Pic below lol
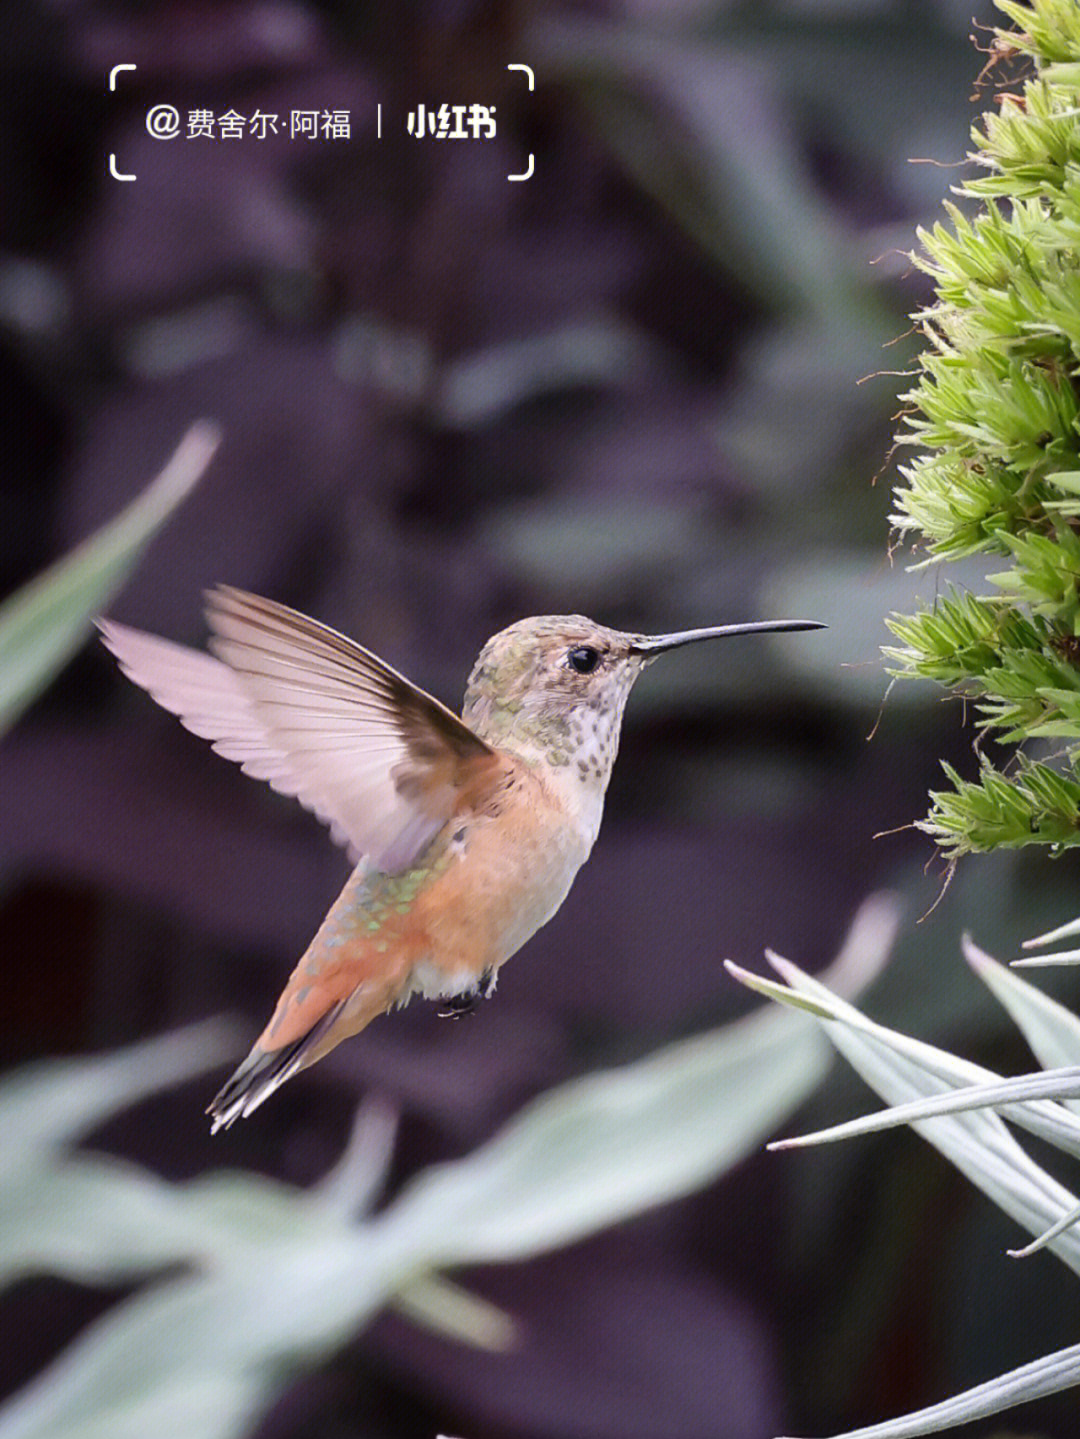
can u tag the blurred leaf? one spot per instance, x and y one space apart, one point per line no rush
458 1313
1061 931
44 623
288 1276
477 389
352 1186
712 120
910 82
602 1148
95 1218
546 539
56 1101
91 1219
853 592
701 129
610 1145
618 1340
787 426
605 1147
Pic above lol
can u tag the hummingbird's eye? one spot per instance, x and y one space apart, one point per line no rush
584 659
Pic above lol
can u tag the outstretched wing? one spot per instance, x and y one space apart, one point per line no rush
317 716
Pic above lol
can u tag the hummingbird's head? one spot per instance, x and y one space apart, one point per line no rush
553 688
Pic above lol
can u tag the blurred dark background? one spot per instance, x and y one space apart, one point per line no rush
628 387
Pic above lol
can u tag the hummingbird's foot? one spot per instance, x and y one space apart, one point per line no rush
457 1006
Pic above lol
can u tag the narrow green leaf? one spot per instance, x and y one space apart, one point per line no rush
1052 1031
1032 1381
1063 931
94 1219
56 1101
1053 1084
902 1069
287 1276
770 989
606 1147
352 1186
457 1313
1048 961
44 623
1066 1221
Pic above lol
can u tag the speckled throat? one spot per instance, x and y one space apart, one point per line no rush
523 696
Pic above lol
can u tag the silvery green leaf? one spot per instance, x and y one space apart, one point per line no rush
457 1313
44 623
1001 1095
235 1331
976 1141
1063 931
93 1218
1049 1120
57 1100
1039 941
1032 1381
597 1150
131 1374
351 1187
1052 1031
605 1147
1046 1084
1044 961
1066 1221
288 1276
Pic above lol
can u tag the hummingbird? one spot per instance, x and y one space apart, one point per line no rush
465 833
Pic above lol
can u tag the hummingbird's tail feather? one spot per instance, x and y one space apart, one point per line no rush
265 1070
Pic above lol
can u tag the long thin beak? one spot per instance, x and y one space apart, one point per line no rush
652 645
